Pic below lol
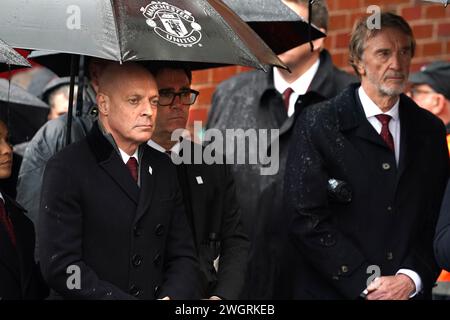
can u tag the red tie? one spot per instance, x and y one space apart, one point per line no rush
385 133
6 222
286 96
133 167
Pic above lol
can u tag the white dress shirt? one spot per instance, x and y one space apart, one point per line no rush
371 110
126 157
175 149
300 86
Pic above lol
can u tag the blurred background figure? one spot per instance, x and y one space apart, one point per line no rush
430 89
56 95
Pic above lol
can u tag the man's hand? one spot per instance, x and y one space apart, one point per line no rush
214 298
398 287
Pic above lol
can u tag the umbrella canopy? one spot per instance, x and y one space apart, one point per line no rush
8 56
279 26
204 31
22 112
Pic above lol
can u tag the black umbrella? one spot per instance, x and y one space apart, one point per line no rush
279 26
10 58
204 31
23 112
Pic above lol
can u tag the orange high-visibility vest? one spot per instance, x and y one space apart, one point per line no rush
445 276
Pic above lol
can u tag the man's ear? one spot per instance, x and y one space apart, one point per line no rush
320 43
103 103
360 67
439 103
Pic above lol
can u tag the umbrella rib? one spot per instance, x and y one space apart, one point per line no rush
243 46
116 29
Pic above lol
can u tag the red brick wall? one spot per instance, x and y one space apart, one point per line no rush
430 23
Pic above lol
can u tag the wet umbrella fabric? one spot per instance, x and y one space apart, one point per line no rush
279 26
205 31
23 112
10 58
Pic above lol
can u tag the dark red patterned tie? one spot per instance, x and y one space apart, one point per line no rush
133 167
286 97
6 222
385 133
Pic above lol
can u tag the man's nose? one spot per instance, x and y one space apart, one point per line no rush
177 102
148 109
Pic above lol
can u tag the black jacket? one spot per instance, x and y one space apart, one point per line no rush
250 101
442 237
50 139
214 214
126 241
20 277
391 218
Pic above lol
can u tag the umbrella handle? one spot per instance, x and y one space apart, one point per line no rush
73 67
81 71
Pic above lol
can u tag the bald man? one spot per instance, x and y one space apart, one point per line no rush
112 223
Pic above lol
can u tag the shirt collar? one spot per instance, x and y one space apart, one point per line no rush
1 197
175 149
126 157
371 109
300 85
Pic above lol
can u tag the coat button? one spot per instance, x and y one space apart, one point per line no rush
344 269
389 256
137 260
159 230
136 231
157 259
135 291
386 166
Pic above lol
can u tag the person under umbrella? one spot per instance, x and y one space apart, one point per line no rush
111 207
257 100
20 277
25 114
56 95
208 190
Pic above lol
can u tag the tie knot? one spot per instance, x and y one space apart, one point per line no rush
286 96
384 118
132 166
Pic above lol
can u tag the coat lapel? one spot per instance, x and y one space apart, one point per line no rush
352 117
198 192
22 239
8 254
411 137
109 160
147 180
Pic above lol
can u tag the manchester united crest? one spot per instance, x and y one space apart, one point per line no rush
172 23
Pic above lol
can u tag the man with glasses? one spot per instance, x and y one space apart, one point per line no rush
208 191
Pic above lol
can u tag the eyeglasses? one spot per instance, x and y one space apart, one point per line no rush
187 97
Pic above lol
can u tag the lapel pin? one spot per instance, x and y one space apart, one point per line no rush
150 170
199 180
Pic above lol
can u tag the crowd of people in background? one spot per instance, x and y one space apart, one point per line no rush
362 187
